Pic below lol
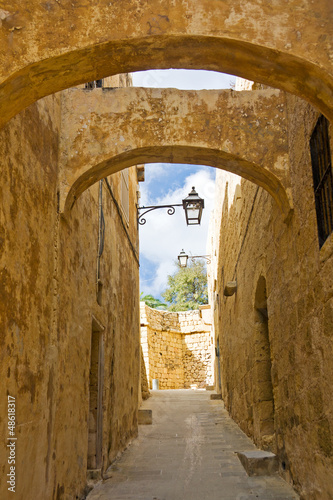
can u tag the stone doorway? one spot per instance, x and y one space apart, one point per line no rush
218 361
95 418
263 390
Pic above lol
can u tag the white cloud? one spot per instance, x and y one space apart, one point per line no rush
164 236
153 172
182 79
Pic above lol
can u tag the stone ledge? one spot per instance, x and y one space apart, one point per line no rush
145 417
258 462
216 396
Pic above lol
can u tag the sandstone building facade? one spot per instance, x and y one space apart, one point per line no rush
70 348
275 332
70 312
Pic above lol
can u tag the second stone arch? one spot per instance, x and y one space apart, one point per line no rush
108 130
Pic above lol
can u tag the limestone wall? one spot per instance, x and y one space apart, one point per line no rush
165 359
197 359
177 347
275 332
50 314
144 386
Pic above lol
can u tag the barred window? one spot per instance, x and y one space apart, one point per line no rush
322 178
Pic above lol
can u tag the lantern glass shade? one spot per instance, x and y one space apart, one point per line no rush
193 206
182 258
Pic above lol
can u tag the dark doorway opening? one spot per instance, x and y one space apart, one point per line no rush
263 389
95 419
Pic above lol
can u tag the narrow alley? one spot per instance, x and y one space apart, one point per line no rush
188 453
166 227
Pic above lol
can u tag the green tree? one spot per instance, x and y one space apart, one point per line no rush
152 302
187 287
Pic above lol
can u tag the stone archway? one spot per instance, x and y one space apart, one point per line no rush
106 131
52 46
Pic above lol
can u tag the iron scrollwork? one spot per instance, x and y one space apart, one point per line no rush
170 211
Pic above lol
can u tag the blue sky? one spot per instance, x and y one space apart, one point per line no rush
164 236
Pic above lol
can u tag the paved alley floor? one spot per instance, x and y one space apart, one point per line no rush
188 453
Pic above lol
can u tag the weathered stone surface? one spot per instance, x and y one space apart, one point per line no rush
230 288
215 396
48 47
177 348
94 475
242 132
145 417
274 334
48 273
258 462
144 379
49 309
185 451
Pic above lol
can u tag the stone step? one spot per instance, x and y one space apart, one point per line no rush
259 462
145 417
216 396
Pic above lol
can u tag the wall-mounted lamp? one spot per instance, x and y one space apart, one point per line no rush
192 205
183 258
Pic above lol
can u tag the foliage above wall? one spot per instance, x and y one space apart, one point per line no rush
152 302
187 287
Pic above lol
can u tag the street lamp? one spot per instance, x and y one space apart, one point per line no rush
183 258
192 205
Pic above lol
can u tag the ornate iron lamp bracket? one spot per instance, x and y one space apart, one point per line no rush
206 257
171 210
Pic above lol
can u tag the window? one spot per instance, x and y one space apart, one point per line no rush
124 194
322 178
94 85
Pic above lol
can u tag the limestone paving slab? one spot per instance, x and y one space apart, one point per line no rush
188 453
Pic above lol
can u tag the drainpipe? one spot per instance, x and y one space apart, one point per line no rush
101 229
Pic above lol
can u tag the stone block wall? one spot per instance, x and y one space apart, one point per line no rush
276 332
177 348
197 359
166 359
49 312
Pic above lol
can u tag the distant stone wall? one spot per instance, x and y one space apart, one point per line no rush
177 347
197 359
165 359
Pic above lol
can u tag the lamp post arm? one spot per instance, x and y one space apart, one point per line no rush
207 257
171 210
